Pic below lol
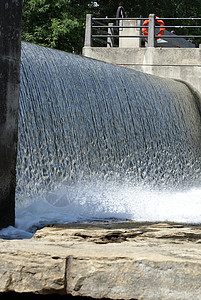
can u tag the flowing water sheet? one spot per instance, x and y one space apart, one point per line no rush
99 141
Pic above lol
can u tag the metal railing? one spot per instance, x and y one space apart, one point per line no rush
110 30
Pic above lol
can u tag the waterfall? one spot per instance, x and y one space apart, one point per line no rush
88 129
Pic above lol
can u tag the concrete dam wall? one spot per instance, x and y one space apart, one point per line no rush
177 63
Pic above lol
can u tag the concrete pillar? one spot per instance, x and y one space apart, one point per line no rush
151 31
87 41
129 42
10 50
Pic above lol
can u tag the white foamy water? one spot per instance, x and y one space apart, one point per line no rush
103 202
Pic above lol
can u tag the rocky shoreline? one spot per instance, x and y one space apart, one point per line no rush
112 260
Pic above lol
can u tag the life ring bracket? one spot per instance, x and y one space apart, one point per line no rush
159 21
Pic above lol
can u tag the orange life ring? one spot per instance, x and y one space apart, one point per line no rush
159 21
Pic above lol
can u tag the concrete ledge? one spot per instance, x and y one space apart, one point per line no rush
150 56
176 63
121 261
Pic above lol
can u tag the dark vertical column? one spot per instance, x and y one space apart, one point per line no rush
10 51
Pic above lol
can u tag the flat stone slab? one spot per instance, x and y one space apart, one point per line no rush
106 260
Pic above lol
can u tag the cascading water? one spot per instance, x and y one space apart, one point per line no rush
99 141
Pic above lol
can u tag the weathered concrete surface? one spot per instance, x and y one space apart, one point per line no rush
176 63
160 261
10 50
129 42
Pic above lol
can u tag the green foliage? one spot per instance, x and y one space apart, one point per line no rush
61 23
56 24
162 8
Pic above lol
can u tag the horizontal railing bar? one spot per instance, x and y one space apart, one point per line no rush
117 19
179 36
97 22
107 19
120 36
181 19
143 36
177 26
122 26
107 26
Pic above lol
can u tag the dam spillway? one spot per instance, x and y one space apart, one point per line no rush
91 129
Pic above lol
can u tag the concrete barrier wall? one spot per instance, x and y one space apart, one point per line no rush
176 63
10 50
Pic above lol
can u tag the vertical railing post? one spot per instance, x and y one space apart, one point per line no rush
151 30
88 31
110 40
139 30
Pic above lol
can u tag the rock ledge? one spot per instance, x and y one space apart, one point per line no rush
106 260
